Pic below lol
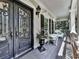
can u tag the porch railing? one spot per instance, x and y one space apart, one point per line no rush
62 51
73 39
74 47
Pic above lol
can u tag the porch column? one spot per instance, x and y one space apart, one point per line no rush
72 22
72 16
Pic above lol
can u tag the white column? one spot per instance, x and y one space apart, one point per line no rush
48 31
72 16
73 22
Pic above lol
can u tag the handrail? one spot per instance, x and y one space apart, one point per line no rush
61 51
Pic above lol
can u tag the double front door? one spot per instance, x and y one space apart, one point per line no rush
15 29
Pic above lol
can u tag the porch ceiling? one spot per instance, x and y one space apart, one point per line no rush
58 7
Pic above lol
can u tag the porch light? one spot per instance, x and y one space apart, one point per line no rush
38 9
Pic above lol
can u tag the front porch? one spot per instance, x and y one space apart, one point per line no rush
21 21
51 52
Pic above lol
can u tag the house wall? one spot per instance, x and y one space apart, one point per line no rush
36 21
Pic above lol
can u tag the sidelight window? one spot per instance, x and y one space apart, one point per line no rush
4 18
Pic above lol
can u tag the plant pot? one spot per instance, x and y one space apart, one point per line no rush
41 42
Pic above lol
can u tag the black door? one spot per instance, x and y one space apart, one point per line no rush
22 28
6 30
16 28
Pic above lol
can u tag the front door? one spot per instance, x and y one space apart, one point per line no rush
6 29
22 28
16 29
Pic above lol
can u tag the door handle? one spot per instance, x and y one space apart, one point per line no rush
16 33
11 34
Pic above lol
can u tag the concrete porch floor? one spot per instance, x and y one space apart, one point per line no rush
51 52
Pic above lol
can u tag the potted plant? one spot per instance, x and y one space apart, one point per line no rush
41 38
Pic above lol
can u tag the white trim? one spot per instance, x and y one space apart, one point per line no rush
2 24
51 25
54 26
48 30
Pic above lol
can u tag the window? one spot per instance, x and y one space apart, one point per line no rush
4 17
50 26
42 24
46 27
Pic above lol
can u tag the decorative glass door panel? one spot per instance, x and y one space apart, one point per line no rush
5 39
24 23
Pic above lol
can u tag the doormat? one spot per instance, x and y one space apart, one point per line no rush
42 49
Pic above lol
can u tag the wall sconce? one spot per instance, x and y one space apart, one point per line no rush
38 9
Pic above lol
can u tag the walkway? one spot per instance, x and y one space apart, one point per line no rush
50 53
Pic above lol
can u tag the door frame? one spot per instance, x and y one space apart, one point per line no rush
32 15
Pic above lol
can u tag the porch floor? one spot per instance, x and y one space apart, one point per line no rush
51 52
